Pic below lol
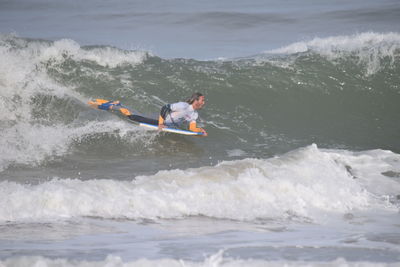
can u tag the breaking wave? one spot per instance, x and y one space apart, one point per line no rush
300 185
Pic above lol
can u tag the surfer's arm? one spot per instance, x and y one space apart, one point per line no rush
160 122
193 127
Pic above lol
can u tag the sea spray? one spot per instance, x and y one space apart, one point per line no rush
307 185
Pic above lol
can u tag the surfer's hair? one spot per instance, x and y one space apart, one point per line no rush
194 97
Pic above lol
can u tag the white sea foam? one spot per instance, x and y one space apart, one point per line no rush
23 71
308 183
67 48
371 48
23 76
335 44
214 260
24 143
104 56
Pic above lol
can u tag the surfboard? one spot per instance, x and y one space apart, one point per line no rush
148 123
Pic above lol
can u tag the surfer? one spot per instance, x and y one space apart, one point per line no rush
178 113
171 115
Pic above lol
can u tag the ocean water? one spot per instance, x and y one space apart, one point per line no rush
301 166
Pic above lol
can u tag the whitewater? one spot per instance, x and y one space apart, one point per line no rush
301 166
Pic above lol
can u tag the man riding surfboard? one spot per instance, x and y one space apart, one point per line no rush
171 115
178 113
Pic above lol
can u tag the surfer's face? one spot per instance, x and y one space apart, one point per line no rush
198 104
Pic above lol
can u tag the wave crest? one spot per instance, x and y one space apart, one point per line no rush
370 48
301 185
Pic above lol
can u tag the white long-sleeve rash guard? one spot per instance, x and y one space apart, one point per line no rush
181 112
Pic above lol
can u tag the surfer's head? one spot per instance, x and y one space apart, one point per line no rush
196 100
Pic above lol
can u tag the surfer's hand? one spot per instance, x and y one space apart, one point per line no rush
161 126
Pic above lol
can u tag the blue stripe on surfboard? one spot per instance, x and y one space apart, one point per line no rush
171 130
